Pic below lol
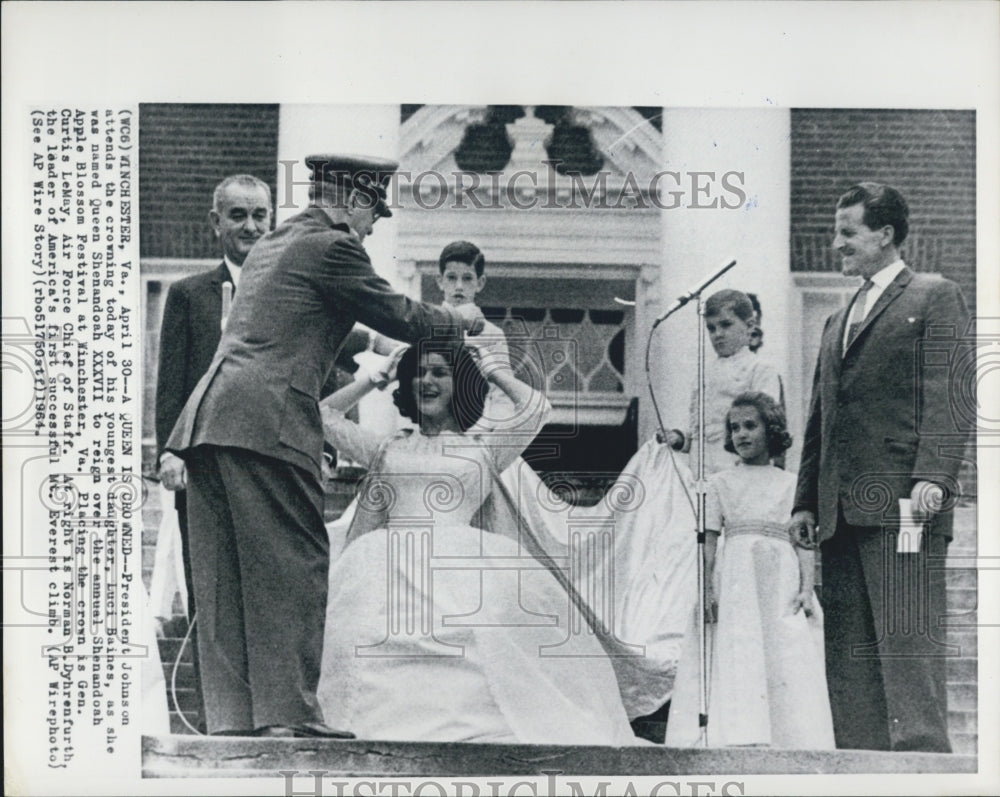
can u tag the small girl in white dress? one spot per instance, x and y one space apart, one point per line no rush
767 683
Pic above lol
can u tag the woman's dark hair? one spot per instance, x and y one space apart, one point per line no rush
470 386
773 417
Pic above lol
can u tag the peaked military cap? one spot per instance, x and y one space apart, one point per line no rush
369 175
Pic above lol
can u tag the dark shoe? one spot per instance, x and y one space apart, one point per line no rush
306 730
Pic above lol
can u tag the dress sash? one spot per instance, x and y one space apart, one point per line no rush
763 528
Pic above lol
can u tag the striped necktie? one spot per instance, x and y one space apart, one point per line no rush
857 313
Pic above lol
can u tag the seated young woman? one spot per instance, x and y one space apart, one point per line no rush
444 621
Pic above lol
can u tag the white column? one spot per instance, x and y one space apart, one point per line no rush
697 238
345 130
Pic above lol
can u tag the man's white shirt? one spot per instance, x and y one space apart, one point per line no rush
880 281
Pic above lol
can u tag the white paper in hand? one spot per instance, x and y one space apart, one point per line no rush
910 529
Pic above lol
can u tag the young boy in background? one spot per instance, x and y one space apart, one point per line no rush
461 277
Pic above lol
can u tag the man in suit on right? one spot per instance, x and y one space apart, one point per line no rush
880 429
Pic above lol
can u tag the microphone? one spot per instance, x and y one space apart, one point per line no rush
227 302
695 291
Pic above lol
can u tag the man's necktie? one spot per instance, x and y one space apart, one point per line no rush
228 289
857 313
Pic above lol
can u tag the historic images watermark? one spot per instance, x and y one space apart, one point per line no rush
524 190
320 782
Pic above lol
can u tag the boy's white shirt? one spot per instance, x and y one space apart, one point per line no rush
725 378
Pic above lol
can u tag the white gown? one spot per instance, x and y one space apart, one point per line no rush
440 631
767 682
632 559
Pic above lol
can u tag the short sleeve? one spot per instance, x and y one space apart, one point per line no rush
360 444
713 505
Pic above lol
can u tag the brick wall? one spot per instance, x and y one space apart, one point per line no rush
184 151
929 156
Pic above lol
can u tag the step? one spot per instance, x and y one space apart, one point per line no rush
966 640
963 670
170 646
185 675
962 722
965 744
186 698
177 726
190 756
963 697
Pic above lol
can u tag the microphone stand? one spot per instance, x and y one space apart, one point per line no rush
701 491
700 483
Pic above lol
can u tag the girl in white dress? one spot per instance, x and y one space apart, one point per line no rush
767 682
436 628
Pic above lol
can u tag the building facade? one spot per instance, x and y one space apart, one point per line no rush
593 221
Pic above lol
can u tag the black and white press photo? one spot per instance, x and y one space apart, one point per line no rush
500 398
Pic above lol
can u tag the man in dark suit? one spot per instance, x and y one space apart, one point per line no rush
189 334
881 429
192 326
252 440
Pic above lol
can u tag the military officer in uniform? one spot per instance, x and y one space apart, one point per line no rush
252 441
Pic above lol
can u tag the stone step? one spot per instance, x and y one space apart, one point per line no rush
190 756
169 648
963 671
966 640
961 722
148 557
964 743
963 697
185 675
182 694
175 627
177 726
961 578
